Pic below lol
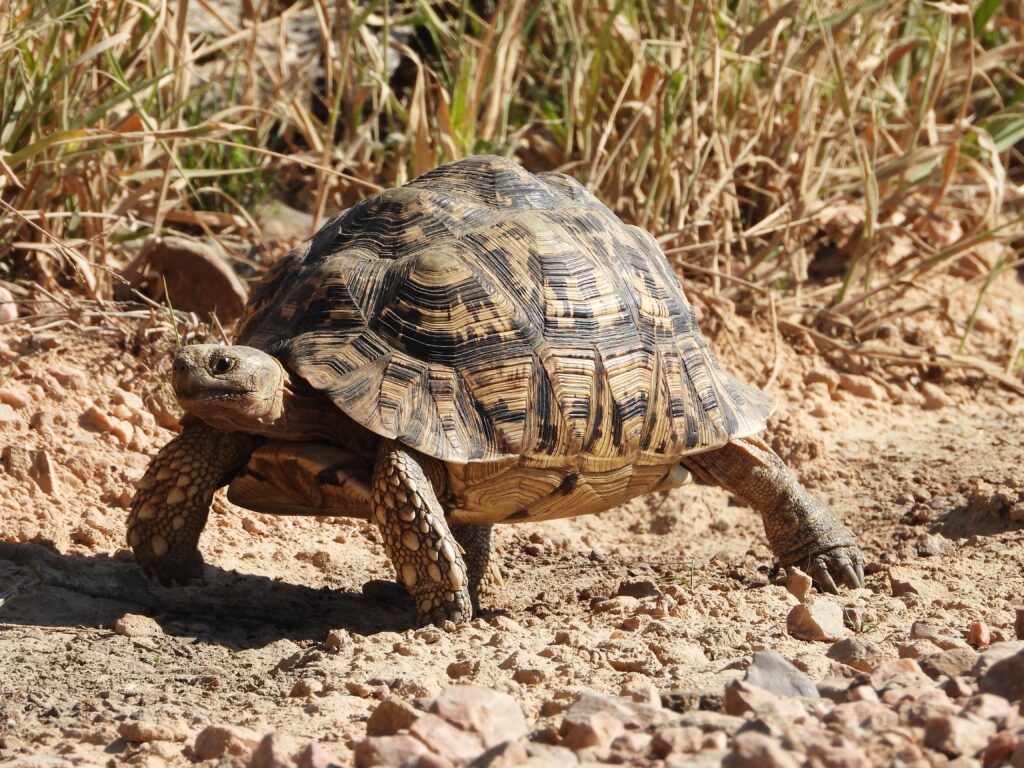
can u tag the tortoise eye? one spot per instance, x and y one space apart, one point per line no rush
222 364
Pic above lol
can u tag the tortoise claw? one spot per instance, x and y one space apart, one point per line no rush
845 564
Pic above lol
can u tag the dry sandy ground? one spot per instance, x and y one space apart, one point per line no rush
938 493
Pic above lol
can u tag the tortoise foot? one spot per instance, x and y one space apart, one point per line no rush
840 565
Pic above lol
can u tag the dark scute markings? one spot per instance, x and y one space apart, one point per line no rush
568 484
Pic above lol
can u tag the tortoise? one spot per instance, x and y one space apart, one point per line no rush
481 345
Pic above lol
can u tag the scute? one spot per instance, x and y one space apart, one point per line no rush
481 312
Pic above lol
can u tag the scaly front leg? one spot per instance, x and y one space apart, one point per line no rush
417 537
801 530
173 499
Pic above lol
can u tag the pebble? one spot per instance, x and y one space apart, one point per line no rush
493 716
667 741
772 672
391 716
1018 624
905 581
306 687
798 583
593 729
818 619
445 739
215 741
143 731
979 635
276 750
16 398
8 309
195 275
1003 677
755 750
856 652
862 386
315 756
957 736
388 751
136 625
7 414
934 397
952 663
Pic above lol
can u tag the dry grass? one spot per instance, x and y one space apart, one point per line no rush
813 160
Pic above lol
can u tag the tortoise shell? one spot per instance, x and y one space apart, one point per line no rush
481 313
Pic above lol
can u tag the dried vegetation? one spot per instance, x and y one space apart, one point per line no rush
820 165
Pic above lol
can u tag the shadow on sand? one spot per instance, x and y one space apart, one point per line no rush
45 588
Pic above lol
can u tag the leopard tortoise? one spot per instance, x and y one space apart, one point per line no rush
482 345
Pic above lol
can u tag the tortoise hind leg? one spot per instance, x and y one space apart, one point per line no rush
484 575
172 502
801 530
417 537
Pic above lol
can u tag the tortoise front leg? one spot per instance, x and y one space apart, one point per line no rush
417 537
173 499
801 530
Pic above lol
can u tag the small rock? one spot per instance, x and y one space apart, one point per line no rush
862 386
741 697
275 750
1004 677
631 714
817 619
906 670
929 545
979 635
904 581
42 420
8 415
306 687
136 625
934 397
8 309
952 663
921 630
755 750
526 754
596 729
445 739
957 736
459 669
667 741
957 687
988 706
215 741
315 756
195 275
639 689
1000 748
391 716
143 731
67 375
16 398
798 583
772 672
493 716
856 652
1018 624
96 418
638 589
388 751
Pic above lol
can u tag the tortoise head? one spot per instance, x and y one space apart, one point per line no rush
229 387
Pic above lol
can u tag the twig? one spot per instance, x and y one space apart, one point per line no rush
918 357
23 583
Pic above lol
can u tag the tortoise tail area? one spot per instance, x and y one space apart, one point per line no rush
750 407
